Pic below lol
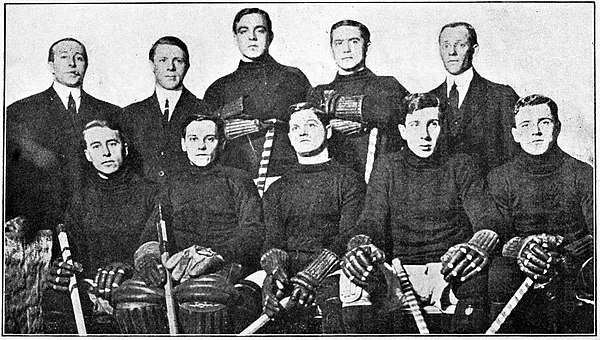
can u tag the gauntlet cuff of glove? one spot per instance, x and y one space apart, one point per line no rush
485 240
318 269
150 249
349 108
359 240
274 259
232 109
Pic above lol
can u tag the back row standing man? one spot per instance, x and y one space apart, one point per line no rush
154 124
480 114
363 104
254 100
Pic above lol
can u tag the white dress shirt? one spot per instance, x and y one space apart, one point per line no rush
173 97
64 91
462 81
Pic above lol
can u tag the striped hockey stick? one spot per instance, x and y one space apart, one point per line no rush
264 159
407 289
512 303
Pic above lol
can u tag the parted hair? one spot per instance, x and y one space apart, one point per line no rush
364 31
418 101
471 31
247 11
537 99
51 50
170 40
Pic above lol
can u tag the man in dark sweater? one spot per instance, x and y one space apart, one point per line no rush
261 89
419 205
208 204
154 123
102 223
480 111
545 198
311 208
362 103
44 165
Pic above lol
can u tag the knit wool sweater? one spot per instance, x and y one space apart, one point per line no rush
215 207
550 193
313 207
383 95
417 208
269 89
105 221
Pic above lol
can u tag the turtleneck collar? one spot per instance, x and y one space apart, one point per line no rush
421 164
193 169
262 61
308 168
116 182
543 164
364 73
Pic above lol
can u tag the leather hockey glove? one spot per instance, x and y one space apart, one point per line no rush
307 281
359 261
463 261
536 255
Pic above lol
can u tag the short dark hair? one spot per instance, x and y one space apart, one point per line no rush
198 117
364 31
51 50
105 124
320 113
247 11
419 101
170 40
537 99
472 35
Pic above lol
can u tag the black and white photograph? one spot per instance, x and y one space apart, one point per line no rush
336 169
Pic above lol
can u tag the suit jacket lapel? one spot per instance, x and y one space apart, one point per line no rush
474 98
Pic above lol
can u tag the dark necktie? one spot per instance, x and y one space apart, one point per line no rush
453 98
71 107
165 118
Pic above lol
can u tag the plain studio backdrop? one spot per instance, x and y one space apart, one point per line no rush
545 48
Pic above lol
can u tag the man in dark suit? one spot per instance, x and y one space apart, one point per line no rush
43 132
480 112
258 93
154 124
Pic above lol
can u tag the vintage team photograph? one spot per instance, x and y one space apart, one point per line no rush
281 169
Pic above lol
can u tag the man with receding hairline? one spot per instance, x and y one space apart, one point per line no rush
480 111
43 160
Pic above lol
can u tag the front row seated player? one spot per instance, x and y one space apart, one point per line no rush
102 222
421 207
311 208
214 223
545 200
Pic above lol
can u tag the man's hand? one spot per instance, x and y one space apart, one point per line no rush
275 287
359 262
59 274
109 278
463 261
193 262
150 270
536 255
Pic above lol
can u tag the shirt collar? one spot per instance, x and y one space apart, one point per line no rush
462 80
172 95
64 91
